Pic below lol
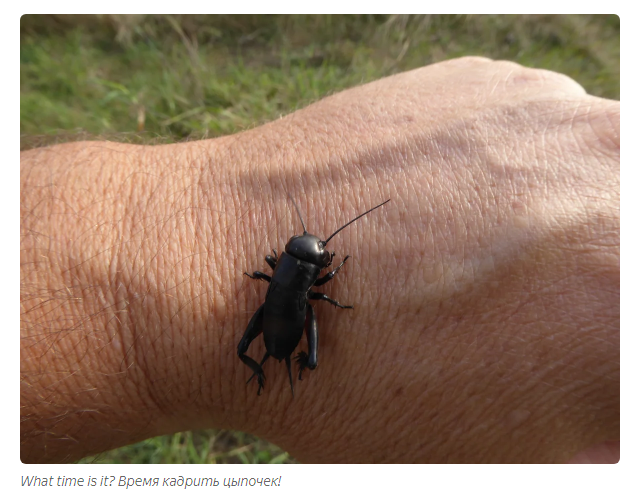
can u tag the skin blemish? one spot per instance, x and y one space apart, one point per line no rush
219 308
117 344
521 219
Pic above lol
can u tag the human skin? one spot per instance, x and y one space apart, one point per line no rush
486 293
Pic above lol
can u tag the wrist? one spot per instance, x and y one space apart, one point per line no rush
116 295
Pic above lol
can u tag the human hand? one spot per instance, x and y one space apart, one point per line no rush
486 293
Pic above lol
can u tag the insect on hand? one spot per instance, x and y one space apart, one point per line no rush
286 312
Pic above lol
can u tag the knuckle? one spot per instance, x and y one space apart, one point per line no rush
518 78
603 116
469 60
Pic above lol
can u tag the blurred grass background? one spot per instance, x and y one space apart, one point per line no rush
160 79
167 78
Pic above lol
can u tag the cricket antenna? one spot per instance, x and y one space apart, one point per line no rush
298 213
356 218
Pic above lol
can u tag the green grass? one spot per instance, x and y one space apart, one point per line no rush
151 79
166 78
208 446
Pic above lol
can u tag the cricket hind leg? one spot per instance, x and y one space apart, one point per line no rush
259 372
253 330
309 360
290 375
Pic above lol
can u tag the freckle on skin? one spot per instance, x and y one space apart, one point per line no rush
518 207
220 307
520 214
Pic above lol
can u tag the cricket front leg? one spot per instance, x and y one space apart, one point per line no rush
258 275
272 261
323 280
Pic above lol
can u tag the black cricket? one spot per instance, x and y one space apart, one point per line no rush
286 312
